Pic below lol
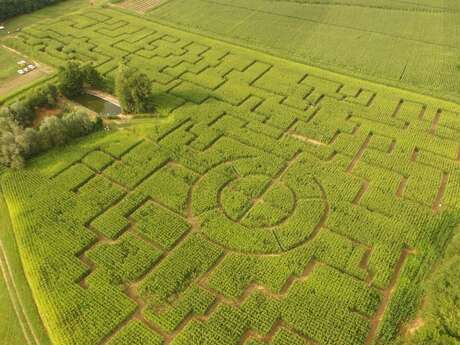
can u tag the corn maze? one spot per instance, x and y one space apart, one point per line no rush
275 204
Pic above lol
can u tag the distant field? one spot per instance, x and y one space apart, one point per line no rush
414 44
272 203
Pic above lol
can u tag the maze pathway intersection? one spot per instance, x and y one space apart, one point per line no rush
274 203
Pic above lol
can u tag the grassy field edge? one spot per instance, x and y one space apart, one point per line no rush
19 280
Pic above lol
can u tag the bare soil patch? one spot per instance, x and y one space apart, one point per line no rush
415 325
43 113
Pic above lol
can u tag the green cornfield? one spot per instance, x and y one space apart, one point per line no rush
270 201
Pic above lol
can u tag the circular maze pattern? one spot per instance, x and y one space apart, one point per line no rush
255 201
259 213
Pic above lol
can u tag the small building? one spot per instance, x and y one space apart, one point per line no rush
22 62
25 69
20 71
2 28
31 67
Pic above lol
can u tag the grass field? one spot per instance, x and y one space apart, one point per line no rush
273 203
412 44
13 83
8 64
10 330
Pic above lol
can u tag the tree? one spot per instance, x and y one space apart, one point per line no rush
11 150
92 77
121 89
77 124
30 142
17 144
133 90
22 113
45 96
142 93
71 79
53 132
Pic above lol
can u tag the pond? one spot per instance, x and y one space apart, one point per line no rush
98 105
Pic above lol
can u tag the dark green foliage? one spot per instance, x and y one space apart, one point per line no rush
45 96
10 8
11 144
92 77
71 79
133 90
53 132
74 77
77 124
23 111
18 144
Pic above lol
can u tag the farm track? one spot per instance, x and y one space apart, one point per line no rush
387 293
402 187
359 154
437 203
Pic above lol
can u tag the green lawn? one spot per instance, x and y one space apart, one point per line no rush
412 44
8 64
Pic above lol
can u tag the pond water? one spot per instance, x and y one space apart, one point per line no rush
98 105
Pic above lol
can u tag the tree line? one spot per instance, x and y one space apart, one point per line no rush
18 143
11 8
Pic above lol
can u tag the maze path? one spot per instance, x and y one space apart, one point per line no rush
190 223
